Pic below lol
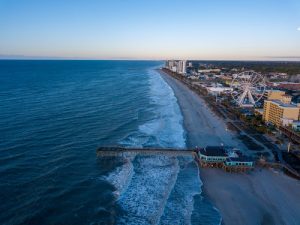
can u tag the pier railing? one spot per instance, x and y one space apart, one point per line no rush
119 151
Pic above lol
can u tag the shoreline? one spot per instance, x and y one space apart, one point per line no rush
263 196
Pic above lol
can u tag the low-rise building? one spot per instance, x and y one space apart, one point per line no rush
209 70
193 77
237 164
213 155
286 122
284 85
218 90
259 111
224 157
239 161
296 125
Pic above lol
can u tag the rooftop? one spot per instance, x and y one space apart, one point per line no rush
280 103
214 151
274 90
241 158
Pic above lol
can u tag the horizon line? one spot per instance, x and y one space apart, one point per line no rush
263 58
275 59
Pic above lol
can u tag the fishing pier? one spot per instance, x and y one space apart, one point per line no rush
119 151
210 157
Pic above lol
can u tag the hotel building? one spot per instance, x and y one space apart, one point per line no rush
176 66
278 108
274 95
181 67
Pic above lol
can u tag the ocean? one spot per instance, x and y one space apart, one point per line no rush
53 117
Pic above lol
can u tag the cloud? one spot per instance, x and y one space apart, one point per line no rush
298 28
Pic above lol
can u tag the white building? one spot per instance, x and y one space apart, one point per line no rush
286 122
170 64
209 71
244 76
218 90
181 67
176 66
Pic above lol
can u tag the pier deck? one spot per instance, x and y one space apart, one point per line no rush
119 151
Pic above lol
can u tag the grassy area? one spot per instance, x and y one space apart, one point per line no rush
292 160
252 145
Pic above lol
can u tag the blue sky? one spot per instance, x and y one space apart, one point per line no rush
156 29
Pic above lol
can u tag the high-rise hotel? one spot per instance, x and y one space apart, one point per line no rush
278 109
176 66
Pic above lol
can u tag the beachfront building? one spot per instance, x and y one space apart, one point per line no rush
181 67
170 64
224 157
277 111
212 156
176 66
238 164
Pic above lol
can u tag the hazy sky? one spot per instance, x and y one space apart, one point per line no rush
150 29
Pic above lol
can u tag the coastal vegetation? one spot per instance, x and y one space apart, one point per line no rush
291 68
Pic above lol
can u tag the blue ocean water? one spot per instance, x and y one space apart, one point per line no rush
54 115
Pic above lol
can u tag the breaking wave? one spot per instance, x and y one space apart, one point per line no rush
157 189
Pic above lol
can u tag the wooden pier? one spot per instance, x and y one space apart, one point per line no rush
119 151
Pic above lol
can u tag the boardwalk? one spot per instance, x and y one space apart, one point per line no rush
118 151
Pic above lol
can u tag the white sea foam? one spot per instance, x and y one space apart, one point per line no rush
180 204
121 176
165 129
167 125
149 190
146 183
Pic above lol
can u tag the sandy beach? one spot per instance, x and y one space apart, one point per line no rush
259 197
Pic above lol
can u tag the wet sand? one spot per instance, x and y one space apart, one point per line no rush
260 197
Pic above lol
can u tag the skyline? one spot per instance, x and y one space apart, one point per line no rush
218 30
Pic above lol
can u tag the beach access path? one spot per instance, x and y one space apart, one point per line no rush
264 196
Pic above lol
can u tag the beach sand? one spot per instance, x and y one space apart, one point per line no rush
258 197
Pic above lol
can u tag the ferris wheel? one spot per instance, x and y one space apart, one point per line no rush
248 88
